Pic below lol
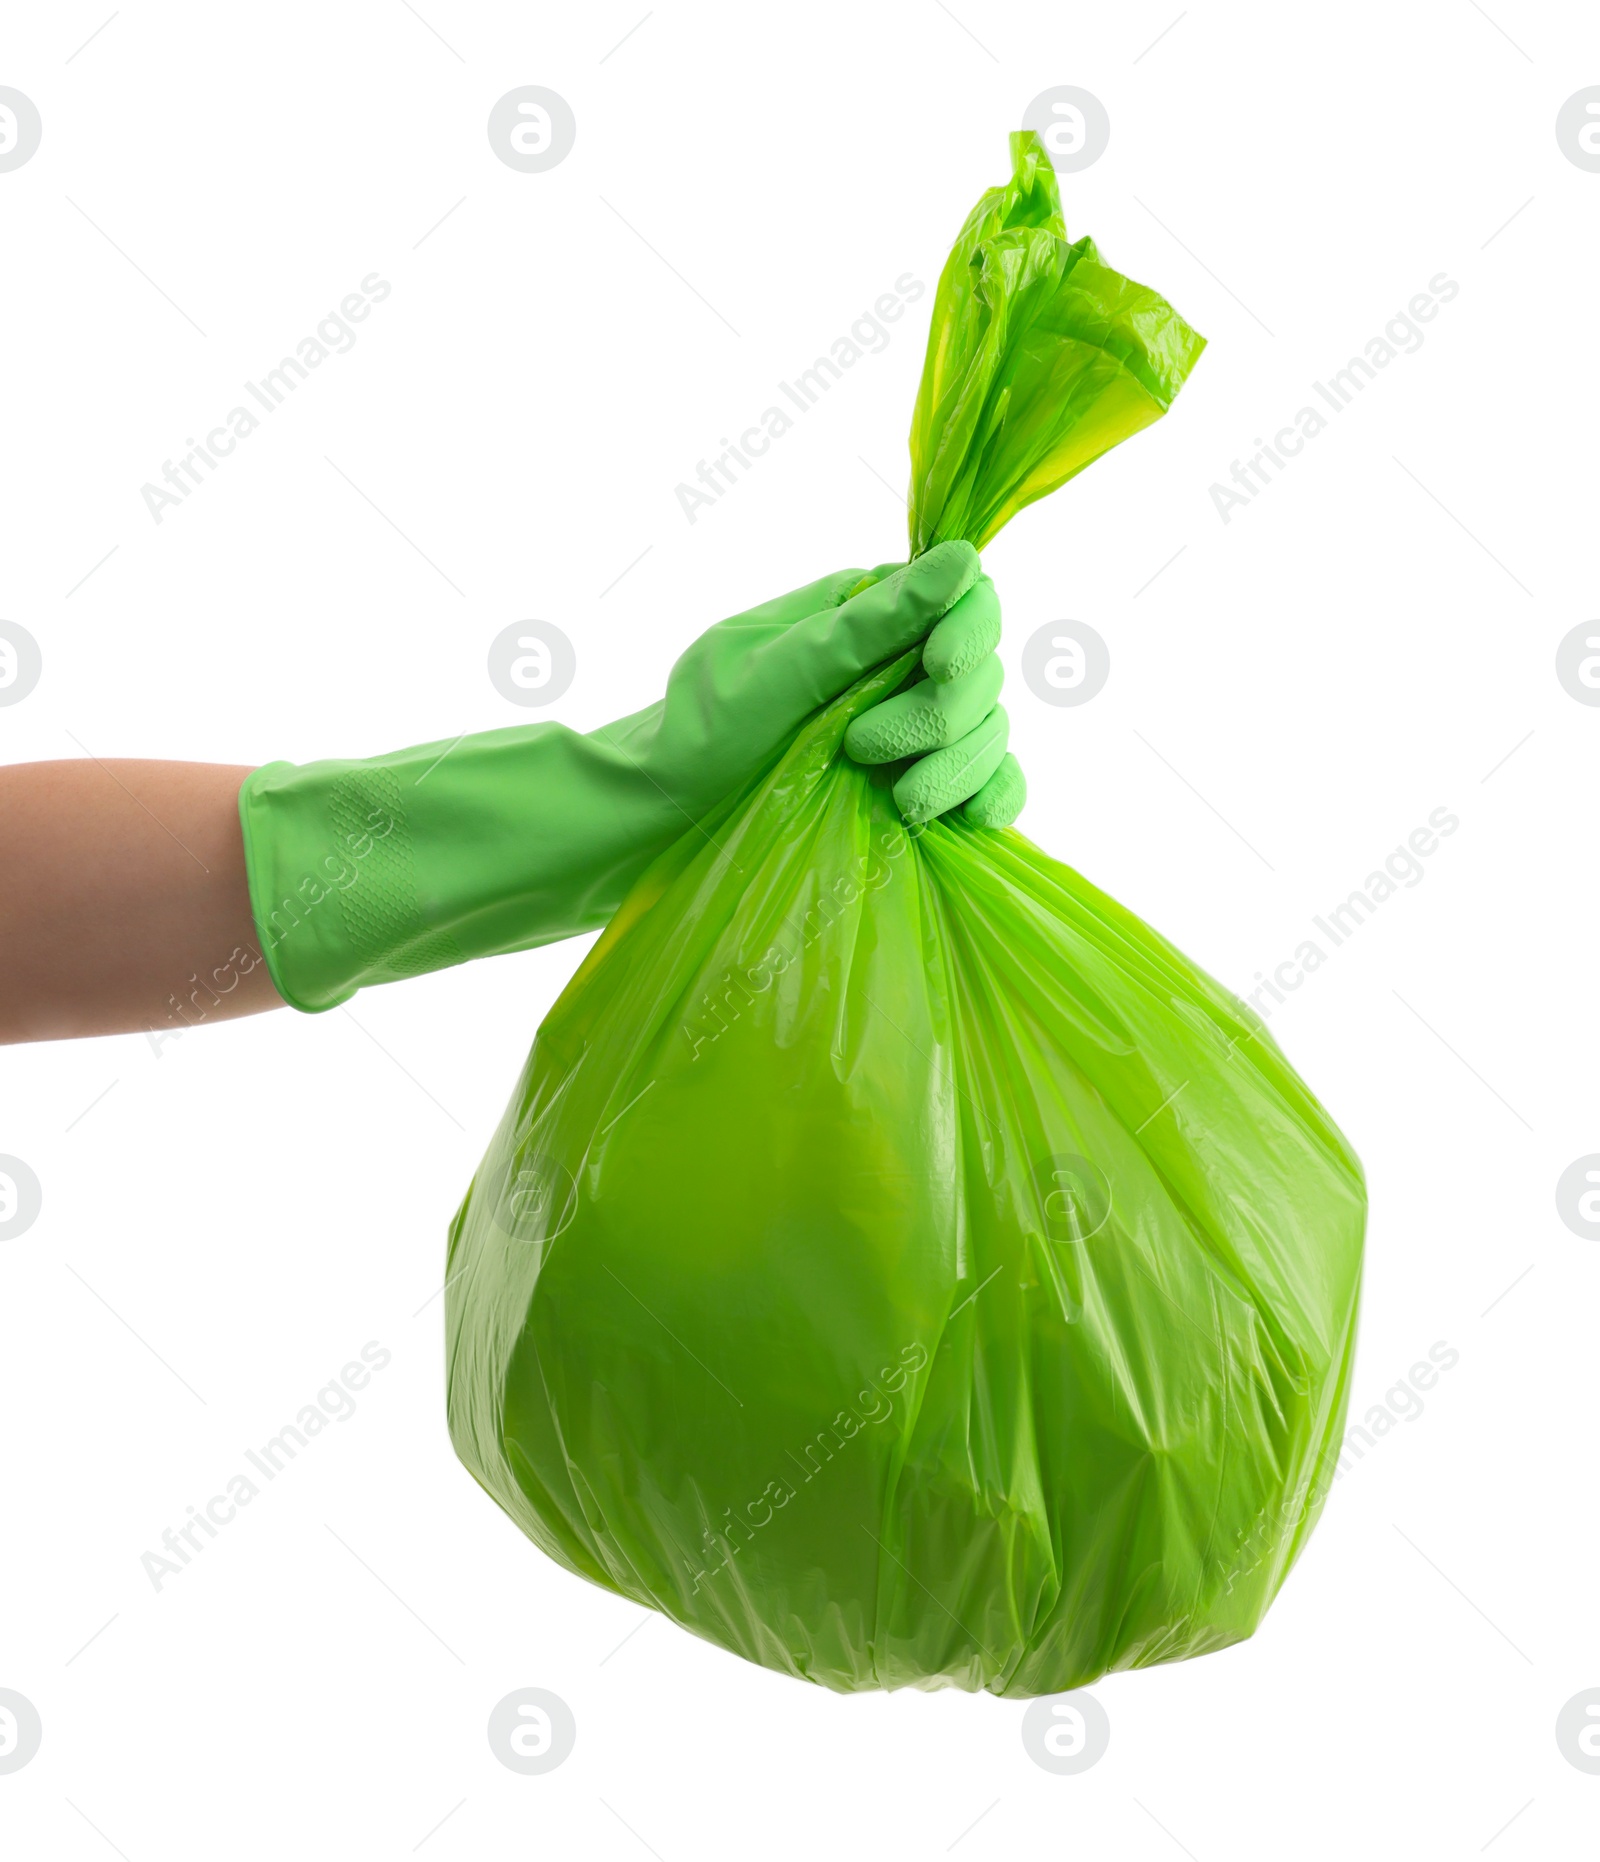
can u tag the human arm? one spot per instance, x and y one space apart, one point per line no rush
123 902
130 899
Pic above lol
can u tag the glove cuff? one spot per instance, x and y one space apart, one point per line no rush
334 882
369 872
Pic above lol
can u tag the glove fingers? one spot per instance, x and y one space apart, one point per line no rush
949 776
968 634
820 656
783 611
1001 799
928 717
880 572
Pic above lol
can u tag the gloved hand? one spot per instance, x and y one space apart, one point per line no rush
951 722
366 872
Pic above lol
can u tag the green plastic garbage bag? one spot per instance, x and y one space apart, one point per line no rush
897 1263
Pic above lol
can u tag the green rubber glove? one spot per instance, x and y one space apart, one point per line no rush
952 722
367 872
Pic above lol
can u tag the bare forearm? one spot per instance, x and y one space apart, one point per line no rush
123 902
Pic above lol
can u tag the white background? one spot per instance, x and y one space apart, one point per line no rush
1368 641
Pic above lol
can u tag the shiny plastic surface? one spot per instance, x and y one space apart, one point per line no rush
1040 359
897 1263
